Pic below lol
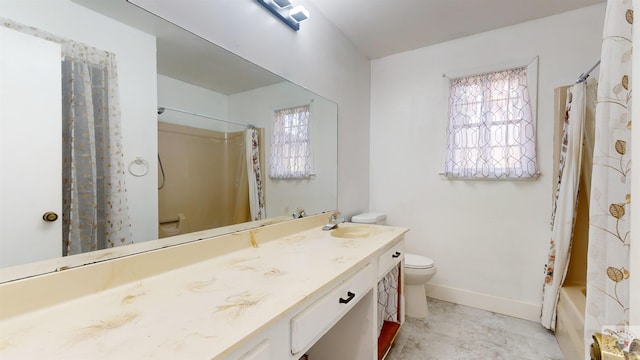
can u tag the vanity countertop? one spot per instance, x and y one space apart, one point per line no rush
203 310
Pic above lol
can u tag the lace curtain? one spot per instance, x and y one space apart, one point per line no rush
491 133
290 147
95 211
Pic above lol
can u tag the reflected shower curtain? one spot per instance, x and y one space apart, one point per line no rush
254 172
95 211
609 235
563 212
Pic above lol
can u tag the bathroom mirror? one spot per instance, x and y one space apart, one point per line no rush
194 76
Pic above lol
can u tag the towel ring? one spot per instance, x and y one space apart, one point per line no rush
142 167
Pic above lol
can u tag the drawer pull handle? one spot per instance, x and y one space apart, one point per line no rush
350 297
396 254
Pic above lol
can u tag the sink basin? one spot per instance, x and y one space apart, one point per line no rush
354 232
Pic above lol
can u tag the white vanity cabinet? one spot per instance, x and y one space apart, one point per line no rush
311 323
291 292
339 323
336 324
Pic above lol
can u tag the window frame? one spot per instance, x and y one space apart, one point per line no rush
531 65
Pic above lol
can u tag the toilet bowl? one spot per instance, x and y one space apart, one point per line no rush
417 271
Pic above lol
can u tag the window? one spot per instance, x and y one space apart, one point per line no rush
491 133
290 148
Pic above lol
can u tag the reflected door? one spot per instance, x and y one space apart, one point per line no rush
30 149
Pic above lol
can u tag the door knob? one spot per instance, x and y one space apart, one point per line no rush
50 216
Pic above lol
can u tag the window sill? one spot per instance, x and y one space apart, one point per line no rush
444 176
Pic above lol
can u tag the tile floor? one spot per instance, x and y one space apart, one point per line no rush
457 332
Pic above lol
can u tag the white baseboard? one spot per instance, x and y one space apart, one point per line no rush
487 302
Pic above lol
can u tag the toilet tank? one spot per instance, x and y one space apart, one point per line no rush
370 218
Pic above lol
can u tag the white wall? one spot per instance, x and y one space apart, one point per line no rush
183 96
318 57
136 56
284 197
489 239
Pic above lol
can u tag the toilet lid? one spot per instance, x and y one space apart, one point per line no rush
417 261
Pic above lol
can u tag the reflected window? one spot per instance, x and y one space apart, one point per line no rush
290 146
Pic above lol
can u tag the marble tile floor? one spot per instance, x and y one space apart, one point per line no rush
457 332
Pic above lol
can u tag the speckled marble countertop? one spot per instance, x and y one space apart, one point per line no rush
200 311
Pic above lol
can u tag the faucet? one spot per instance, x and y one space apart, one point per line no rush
299 214
334 220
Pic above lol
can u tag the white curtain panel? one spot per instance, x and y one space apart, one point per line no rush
254 173
609 236
563 213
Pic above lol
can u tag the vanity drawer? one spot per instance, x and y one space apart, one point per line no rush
311 323
390 258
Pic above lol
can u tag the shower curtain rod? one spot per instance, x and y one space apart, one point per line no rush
583 77
161 109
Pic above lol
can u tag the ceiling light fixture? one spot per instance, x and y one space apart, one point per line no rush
299 13
282 4
292 17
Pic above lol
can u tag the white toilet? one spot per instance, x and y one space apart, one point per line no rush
418 270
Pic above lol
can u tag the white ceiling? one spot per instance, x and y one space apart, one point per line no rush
384 27
377 27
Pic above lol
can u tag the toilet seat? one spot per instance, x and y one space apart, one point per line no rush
413 261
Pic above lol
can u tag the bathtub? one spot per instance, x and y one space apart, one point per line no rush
570 321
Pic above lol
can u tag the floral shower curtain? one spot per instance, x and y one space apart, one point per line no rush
95 211
609 234
256 189
563 213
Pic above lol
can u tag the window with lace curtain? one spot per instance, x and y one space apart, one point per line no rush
290 147
491 133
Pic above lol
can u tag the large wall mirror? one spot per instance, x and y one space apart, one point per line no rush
186 105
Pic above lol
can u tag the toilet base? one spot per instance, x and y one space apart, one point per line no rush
416 301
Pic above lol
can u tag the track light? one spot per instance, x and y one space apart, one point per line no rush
299 13
282 4
292 17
